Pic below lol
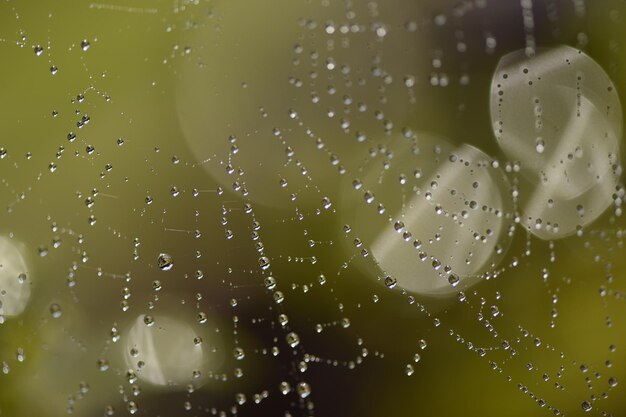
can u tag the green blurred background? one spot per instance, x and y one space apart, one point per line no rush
157 94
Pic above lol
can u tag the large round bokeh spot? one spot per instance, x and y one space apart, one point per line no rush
558 118
435 217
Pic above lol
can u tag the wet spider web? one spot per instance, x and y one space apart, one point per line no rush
226 208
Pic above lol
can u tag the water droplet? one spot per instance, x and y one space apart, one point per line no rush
103 364
540 146
202 318
390 281
270 283
239 353
132 407
293 339
165 262
264 262
55 310
303 389
284 388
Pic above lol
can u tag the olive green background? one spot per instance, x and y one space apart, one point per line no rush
174 80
